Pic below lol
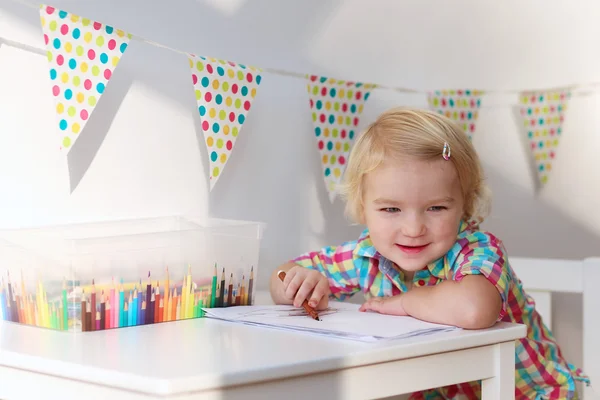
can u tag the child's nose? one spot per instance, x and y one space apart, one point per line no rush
413 227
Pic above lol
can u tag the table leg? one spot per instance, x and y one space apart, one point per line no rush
502 385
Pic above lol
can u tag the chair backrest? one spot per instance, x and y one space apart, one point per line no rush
549 274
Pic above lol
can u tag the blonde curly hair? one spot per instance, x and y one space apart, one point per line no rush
420 134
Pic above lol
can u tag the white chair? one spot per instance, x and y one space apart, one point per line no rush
541 277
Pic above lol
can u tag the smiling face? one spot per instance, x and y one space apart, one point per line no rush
413 209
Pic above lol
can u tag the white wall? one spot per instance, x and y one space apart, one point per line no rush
151 163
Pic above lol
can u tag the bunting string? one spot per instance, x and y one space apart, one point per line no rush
575 89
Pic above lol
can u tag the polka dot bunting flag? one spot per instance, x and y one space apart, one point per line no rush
543 117
224 92
83 55
336 106
459 105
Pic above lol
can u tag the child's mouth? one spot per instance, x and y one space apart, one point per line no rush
412 249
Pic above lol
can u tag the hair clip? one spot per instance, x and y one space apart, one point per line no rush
446 152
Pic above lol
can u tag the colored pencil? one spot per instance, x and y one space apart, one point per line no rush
230 291
125 315
222 292
150 309
135 309
113 303
178 309
167 290
143 313
250 286
237 295
147 313
157 302
122 314
93 303
140 317
97 321
65 307
83 311
102 311
161 310
243 292
213 288
174 302
132 307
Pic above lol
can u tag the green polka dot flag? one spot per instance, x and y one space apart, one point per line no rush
83 55
224 92
543 117
461 106
336 107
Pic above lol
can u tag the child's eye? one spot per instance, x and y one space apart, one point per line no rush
437 208
390 209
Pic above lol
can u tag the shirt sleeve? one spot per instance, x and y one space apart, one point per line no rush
337 264
485 255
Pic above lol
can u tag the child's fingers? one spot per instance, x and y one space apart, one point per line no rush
304 291
289 276
374 304
293 286
319 291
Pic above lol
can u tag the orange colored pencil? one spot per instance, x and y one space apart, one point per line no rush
174 299
161 310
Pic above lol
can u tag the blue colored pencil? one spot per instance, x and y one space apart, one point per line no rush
122 315
134 311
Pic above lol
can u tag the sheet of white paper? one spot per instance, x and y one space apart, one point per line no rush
341 320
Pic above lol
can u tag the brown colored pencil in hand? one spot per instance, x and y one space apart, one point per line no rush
311 311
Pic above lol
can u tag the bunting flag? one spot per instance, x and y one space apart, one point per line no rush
336 107
83 55
461 106
543 117
224 92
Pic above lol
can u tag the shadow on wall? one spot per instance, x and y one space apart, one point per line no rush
524 215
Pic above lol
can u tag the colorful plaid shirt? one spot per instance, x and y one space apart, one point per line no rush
541 370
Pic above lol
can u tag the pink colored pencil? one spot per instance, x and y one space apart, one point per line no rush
113 305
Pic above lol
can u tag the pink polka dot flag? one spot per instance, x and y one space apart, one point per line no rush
224 92
83 55
461 106
543 117
336 107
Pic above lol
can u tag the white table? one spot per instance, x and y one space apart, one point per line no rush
210 359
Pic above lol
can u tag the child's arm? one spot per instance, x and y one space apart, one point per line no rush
334 267
472 303
474 297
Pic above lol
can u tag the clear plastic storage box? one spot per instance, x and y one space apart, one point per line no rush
102 275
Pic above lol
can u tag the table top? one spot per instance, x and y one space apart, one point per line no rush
202 354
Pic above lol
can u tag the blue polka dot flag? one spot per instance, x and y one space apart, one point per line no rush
83 55
336 107
224 93
461 106
543 117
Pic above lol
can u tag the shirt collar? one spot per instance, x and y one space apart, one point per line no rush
365 248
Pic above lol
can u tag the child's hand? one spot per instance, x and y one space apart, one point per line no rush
385 305
302 283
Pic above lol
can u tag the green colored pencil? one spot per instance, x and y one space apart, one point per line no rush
65 312
213 288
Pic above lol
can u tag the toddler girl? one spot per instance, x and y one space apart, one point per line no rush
415 180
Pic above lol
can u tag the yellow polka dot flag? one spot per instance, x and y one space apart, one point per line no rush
83 55
543 117
336 106
224 92
461 106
